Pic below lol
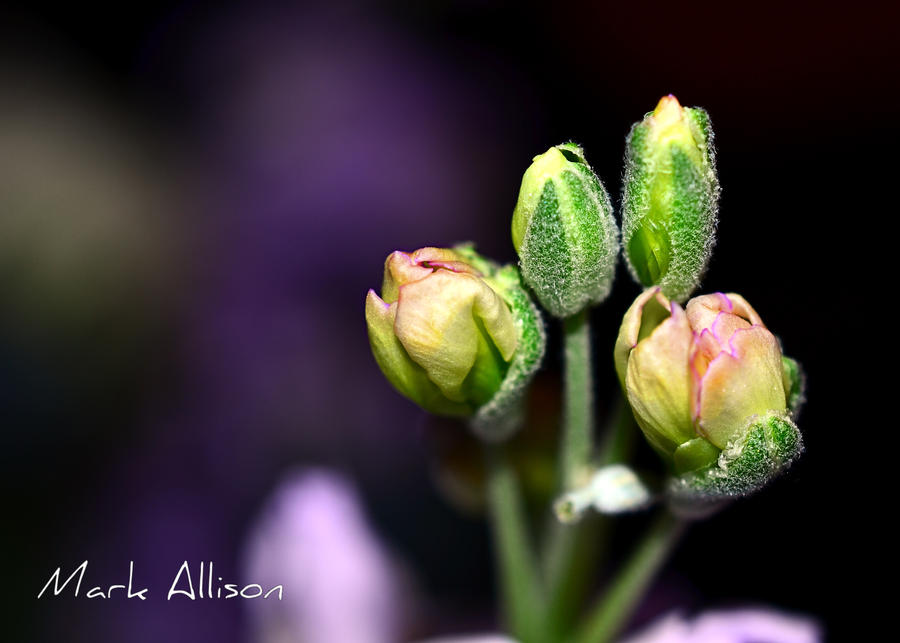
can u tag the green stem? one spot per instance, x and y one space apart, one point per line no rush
519 582
579 398
573 557
615 607
575 552
618 442
568 548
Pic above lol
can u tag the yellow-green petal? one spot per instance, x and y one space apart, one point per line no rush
400 268
405 375
657 382
436 323
632 323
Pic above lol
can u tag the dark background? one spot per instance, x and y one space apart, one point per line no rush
195 202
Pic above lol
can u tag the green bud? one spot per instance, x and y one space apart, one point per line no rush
564 231
457 334
670 198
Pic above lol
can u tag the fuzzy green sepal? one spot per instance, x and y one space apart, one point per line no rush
564 232
770 445
670 198
502 415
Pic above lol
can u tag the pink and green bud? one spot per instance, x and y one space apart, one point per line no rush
564 232
704 382
670 198
455 333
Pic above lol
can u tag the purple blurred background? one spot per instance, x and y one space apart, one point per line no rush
193 203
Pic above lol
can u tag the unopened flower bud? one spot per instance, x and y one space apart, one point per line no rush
564 231
455 333
707 387
670 198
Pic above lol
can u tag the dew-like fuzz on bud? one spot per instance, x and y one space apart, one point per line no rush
564 231
670 198
766 449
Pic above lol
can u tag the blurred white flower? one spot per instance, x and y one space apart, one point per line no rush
758 625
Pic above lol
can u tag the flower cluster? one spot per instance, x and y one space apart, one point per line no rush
708 384
704 379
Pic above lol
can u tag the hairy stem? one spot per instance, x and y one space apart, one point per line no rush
574 553
579 398
517 567
569 548
615 607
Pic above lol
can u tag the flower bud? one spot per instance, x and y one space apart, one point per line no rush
564 231
707 387
670 198
456 334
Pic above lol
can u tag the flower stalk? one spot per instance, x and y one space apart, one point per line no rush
517 567
569 548
616 606
579 399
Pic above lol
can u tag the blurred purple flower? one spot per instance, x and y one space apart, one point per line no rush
759 625
475 638
340 584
